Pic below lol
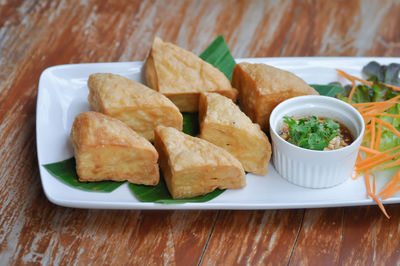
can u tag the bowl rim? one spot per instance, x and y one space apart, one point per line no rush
333 101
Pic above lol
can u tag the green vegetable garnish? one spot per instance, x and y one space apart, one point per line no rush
383 73
378 74
311 133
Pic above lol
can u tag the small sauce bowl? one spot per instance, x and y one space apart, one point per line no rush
311 168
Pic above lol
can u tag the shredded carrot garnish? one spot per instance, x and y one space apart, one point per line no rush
362 148
393 87
379 155
350 77
367 184
388 165
390 127
375 159
391 187
367 131
362 166
353 89
381 114
373 183
372 195
379 202
382 106
363 105
356 174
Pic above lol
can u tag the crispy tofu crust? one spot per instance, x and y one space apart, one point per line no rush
262 87
182 75
193 166
225 125
140 107
107 149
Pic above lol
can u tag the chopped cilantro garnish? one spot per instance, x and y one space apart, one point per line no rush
311 133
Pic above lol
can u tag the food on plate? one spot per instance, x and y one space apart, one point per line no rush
107 149
192 166
140 107
225 125
379 104
182 75
262 87
315 133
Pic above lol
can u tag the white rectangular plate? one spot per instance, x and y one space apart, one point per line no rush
63 94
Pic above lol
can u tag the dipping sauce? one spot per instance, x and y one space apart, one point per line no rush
315 133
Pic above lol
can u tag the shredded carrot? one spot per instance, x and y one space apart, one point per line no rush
361 105
379 202
393 87
380 114
374 159
390 188
353 89
372 105
373 183
388 165
367 184
356 174
362 148
350 77
383 159
378 107
372 195
390 127
378 155
367 131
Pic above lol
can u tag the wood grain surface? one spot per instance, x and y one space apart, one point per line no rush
37 34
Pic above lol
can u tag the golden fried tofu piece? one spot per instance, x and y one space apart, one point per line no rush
107 149
182 75
225 125
193 166
140 107
262 87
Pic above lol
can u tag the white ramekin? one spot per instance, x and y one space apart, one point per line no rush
310 168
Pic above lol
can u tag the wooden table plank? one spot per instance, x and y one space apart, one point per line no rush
253 237
312 246
369 238
38 34
344 28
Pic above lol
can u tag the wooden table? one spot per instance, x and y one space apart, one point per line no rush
37 34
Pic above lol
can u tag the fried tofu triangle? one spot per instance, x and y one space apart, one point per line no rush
182 75
222 123
107 149
193 166
140 107
262 87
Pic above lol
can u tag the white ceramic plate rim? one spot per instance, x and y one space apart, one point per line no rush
61 95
